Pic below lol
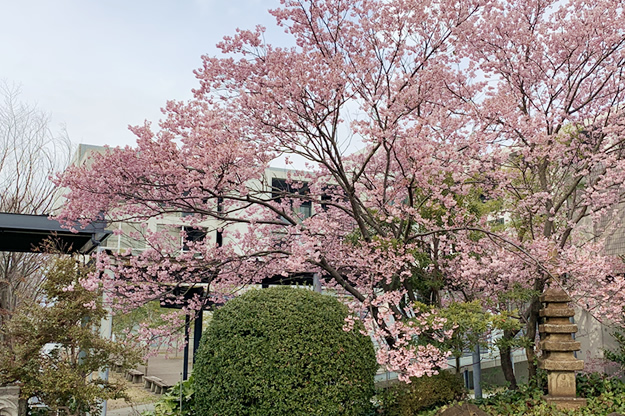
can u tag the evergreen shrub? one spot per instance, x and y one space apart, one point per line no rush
423 393
595 384
283 351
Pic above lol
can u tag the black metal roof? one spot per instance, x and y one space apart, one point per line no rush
27 233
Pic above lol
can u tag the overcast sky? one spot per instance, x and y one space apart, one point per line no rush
97 66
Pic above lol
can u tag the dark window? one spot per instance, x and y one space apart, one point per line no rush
281 188
193 234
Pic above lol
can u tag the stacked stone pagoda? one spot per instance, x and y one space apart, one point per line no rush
558 348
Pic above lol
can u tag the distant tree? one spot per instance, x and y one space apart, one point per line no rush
29 153
466 324
130 326
52 349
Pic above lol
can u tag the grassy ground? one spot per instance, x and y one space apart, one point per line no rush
136 392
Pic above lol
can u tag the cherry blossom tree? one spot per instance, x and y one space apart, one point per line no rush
555 120
455 105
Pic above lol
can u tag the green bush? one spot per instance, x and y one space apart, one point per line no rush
604 396
283 351
423 393
169 403
525 400
596 384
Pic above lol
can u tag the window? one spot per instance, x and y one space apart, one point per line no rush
193 234
280 187
130 237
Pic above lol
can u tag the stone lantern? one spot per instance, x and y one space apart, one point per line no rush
9 400
558 348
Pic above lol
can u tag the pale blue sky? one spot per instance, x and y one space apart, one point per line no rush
97 66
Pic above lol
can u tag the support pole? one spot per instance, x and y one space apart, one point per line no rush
185 358
197 333
106 332
317 283
477 372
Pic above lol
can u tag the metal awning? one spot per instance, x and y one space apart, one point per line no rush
27 233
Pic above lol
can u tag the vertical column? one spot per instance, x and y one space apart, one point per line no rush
106 332
185 357
558 347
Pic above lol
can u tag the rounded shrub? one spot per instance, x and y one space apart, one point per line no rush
283 351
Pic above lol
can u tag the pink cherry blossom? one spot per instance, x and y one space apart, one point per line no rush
466 112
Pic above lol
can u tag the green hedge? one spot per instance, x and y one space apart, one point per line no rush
283 351
423 393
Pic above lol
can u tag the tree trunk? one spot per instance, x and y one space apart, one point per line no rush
531 330
507 367
532 323
22 407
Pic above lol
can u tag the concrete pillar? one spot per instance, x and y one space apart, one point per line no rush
477 372
317 283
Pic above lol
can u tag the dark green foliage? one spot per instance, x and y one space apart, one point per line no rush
283 351
605 395
595 384
422 394
510 402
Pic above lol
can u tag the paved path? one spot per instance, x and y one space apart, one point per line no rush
167 369
131 411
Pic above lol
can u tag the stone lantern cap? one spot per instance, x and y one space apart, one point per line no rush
560 346
557 301
557 328
572 364
552 311
553 295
